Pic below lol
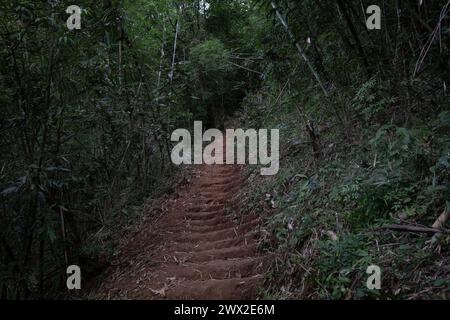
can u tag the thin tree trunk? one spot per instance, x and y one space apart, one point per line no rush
64 237
354 33
177 30
120 52
161 60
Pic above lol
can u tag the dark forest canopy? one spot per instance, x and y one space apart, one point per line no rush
87 116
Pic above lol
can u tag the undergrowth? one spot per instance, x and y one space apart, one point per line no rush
325 215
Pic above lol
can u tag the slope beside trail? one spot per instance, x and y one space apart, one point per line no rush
201 247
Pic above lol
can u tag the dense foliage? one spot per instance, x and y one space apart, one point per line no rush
364 118
374 152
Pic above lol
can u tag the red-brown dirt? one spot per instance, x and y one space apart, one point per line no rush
200 248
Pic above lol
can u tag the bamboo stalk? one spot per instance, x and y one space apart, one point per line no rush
299 48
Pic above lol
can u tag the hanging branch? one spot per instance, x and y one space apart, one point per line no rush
299 48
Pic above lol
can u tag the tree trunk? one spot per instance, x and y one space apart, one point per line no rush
354 33
300 49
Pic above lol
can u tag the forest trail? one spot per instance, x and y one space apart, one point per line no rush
201 247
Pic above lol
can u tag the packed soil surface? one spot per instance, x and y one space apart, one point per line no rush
200 246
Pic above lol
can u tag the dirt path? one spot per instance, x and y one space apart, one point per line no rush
200 248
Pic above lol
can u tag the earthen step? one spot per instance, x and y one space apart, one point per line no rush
230 233
223 243
221 219
227 289
221 253
204 208
215 269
